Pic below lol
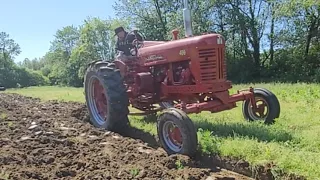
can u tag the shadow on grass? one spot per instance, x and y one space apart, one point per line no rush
146 137
251 130
152 118
254 130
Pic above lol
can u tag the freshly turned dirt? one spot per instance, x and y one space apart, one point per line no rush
51 140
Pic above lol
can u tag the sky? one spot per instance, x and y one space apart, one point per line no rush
33 23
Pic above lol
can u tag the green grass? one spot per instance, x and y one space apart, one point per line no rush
52 93
293 143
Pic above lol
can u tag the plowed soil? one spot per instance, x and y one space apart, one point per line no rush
53 140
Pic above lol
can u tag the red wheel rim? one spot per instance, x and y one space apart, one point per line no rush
100 98
175 135
261 111
172 136
97 100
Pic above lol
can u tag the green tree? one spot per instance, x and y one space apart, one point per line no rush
8 50
156 19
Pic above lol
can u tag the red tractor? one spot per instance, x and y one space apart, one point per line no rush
176 77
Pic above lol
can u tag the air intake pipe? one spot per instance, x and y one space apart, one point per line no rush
187 19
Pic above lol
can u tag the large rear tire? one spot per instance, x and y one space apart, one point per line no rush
106 97
268 107
177 133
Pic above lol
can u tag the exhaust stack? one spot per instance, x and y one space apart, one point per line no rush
187 19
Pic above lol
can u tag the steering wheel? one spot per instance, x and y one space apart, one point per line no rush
135 43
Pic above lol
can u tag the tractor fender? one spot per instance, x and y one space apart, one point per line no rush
121 66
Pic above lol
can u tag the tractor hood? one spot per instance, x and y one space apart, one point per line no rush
152 43
178 49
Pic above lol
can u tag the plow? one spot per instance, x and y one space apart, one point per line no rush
176 78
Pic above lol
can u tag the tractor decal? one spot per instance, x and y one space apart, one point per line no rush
154 58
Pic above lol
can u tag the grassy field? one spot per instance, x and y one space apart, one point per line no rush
293 143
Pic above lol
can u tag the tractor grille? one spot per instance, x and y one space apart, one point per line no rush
222 64
211 66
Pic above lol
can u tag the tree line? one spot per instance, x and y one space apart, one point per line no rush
267 40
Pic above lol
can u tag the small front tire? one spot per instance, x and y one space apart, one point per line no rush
268 110
166 104
177 133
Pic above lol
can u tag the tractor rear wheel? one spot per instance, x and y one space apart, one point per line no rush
106 97
268 107
177 133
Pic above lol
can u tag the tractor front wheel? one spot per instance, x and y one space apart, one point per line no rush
106 97
268 107
177 133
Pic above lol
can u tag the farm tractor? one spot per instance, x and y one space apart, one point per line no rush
175 78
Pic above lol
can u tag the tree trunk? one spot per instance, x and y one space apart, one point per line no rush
256 53
272 35
163 23
309 36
